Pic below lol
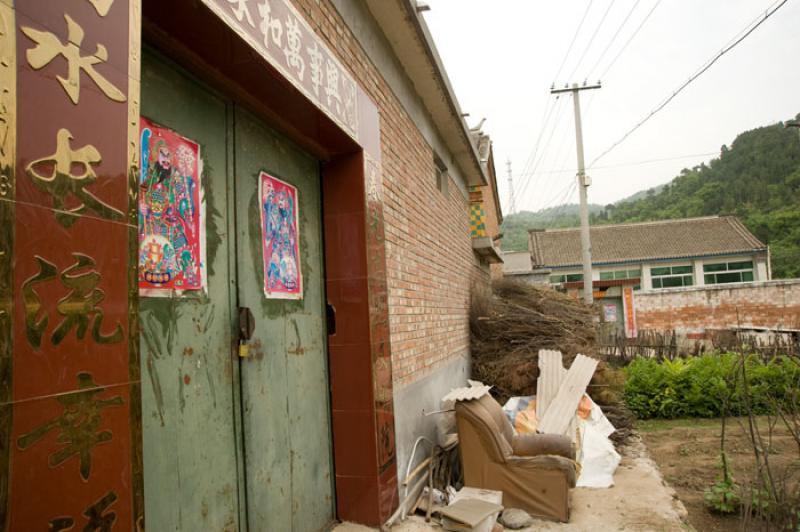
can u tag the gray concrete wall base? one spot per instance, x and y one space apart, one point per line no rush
412 402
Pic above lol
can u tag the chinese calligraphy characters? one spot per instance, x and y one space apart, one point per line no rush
80 304
62 181
48 47
77 425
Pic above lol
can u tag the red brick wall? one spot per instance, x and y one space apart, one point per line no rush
430 263
771 304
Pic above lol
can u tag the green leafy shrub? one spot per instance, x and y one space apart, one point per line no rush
699 386
723 496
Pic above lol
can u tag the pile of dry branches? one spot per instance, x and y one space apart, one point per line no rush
509 329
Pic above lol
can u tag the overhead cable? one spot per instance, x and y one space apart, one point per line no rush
747 31
624 46
613 39
577 31
591 39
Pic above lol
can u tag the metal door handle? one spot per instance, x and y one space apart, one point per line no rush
247 324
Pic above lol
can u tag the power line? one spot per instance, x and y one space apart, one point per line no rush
591 40
613 39
685 84
545 119
577 31
634 163
624 46
547 143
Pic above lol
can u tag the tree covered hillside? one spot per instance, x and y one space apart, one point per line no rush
516 226
757 179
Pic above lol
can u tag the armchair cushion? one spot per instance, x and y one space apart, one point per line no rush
538 444
534 472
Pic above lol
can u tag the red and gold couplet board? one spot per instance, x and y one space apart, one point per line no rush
69 433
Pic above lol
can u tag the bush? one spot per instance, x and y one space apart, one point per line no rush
699 386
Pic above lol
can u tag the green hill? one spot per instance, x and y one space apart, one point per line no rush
516 226
757 179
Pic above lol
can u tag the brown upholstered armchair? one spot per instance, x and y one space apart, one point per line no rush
533 471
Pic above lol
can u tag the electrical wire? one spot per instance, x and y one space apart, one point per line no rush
613 39
532 157
686 83
544 149
591 40
545 119
572 42
624 46
634 163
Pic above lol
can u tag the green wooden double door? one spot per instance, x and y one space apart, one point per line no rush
235 443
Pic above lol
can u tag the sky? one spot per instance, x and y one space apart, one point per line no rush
502 56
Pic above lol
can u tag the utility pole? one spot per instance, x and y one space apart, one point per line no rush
512 208
583 184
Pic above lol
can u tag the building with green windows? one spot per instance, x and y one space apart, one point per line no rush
654 255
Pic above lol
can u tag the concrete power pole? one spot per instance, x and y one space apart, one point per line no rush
512 207
583 184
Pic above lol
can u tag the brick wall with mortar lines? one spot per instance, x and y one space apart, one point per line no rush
429 259
772 304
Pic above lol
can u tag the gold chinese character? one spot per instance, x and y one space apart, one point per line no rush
97 521
48 47
77 425
54 174
80 304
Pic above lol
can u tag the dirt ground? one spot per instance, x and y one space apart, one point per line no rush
639 501
687 453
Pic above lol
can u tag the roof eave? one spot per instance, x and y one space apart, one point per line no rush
411 41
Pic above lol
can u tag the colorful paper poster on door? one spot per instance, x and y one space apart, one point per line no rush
279 231
171 215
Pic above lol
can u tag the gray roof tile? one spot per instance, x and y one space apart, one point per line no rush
689 237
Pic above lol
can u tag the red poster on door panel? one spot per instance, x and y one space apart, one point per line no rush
279 231
171 217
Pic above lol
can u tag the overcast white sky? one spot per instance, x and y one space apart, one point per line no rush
502 56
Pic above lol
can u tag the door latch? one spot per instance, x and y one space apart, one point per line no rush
247 325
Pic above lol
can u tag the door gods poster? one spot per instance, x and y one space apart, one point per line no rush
281 249
171 215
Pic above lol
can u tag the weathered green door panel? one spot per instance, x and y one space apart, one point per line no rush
190 468
286 412
309 416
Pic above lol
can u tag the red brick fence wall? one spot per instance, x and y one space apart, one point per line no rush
693 311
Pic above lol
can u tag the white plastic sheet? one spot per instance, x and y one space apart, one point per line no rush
597 456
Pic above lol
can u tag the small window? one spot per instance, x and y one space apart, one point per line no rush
621 274
442 177
672 276
566 278
728 272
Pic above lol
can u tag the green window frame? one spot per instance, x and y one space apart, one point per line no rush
622 274
672 276
741 271
566 278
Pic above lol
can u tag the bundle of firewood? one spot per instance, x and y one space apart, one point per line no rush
508 329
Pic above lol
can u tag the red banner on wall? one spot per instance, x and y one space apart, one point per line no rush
629 312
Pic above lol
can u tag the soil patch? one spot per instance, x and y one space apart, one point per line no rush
687 453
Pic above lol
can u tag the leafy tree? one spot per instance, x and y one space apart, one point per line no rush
756 178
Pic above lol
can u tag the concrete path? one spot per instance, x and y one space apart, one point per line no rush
639 501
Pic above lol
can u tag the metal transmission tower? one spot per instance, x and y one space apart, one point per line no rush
512 204
583 182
